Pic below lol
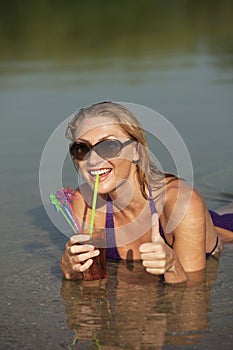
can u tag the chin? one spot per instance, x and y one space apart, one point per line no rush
105 188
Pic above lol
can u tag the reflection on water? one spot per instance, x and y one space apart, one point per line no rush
133 310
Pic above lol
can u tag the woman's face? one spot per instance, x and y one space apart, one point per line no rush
112 172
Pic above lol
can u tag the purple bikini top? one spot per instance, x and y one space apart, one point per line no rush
111 251
224 221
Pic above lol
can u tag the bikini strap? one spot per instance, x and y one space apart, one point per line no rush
153 210
152 203
109 214
111 251
210 253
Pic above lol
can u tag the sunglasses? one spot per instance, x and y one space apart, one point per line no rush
105 149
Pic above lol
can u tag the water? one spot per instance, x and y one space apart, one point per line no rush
180 64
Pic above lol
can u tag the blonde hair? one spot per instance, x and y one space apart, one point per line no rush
148 174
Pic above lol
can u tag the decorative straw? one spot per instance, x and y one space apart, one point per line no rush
94 204
58 207
77 224
65 195
71 219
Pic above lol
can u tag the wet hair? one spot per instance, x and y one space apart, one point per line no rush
148 174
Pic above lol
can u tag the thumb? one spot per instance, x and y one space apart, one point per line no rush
155 235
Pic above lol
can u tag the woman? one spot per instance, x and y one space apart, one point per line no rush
149 215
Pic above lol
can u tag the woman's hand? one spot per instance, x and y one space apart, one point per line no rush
77 257
159 259
156 257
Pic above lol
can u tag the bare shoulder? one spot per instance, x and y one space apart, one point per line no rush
182 205
184 218
180 193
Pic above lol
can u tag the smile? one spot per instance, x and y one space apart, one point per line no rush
100 172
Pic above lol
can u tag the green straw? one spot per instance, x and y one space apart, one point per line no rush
94 204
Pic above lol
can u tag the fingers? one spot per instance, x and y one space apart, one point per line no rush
156 271
77 257
85 266
156 267
78 239
152 253
154 247
81 258
154 257
76 249
73 246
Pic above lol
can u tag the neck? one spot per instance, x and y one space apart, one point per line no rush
127 196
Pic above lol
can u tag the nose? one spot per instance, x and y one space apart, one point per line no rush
93 158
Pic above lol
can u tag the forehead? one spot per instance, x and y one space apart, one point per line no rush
99 125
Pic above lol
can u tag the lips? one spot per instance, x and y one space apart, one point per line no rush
103 173
99 171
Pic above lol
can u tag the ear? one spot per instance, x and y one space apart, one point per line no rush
136 154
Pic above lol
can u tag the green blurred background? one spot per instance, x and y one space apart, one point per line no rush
73 30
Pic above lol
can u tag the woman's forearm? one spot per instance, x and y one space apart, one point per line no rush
175 273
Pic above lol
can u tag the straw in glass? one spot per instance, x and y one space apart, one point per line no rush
94 205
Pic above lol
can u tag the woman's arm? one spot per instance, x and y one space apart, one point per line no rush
186 257
190 231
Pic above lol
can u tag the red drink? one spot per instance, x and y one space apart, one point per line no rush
97 270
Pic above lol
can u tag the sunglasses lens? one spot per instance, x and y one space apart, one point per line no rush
79 150
105 149
108 149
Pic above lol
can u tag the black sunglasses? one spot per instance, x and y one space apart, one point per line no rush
105 149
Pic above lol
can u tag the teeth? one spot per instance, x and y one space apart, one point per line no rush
100 172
